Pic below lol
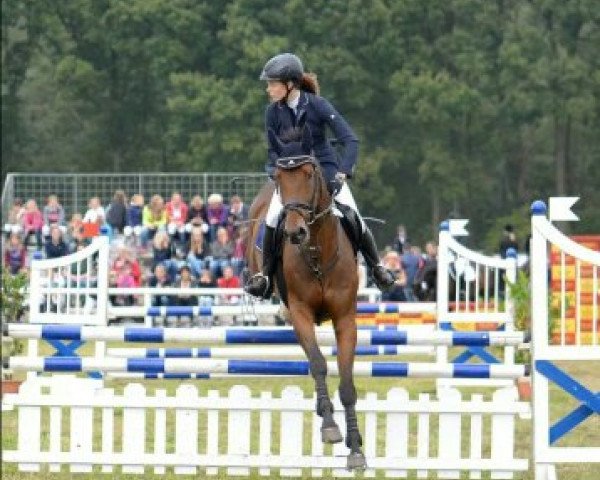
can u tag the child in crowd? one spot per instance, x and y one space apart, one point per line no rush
53 214
95 213
14 223
177 213
196 255
56 247
116 213
154 218
32 223
15 254
133 221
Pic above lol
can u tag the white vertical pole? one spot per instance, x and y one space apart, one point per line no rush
442 285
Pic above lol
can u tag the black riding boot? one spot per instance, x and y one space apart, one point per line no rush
382 276
261 284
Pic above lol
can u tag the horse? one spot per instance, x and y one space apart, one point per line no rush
316 275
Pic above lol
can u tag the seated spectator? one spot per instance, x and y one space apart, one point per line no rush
75 231
15 254
14 223
221 251
133 217
206 279
162 253
158 280
229 280
185 281
56 246
124 278
216 214
238 213
196 255
32 223
116 214
197 214
177 212
95 213
125 257
53 214
391 261
154 218
238 259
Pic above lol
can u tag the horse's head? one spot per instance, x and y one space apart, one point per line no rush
300 182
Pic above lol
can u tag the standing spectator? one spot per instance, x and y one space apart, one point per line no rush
154 218
116 215
411 262
56 247
133 217
160 279
14 222
54 214
509 240
32 222
221 251
162 253
425 280
400 240
229 280
216 214
177 213
15 254
196 254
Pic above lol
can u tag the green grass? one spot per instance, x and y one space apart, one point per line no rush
586 434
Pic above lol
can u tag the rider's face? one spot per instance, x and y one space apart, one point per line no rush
276 90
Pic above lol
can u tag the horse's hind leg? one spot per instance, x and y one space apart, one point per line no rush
345 332
304 328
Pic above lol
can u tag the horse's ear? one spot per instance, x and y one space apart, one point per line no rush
274 142
306 140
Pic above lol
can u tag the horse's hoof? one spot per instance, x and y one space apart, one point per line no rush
331 434
356 461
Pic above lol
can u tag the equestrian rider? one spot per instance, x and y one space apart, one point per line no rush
295 94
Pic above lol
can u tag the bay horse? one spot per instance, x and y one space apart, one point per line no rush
318 273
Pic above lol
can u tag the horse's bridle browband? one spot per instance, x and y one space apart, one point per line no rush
289 163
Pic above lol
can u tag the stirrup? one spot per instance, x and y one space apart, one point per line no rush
257 285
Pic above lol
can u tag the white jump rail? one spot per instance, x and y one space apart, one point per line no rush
545 354
262 434
477 295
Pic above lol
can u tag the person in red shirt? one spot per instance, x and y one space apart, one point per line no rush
229 280
177 213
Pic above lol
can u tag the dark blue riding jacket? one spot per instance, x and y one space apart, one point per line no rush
319 113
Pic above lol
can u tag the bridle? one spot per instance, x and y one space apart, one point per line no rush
308 211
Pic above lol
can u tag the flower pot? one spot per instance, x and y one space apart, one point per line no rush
524 388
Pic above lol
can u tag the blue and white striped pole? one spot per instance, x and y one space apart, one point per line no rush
261 351
259 367
253 335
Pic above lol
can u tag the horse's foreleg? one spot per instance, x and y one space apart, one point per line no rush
345 332
304 328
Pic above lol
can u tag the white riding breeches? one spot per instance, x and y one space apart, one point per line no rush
344 196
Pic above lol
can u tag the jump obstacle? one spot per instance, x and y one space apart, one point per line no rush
291 458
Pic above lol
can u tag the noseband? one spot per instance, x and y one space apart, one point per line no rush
307 210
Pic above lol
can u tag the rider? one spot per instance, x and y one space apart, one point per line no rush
294 94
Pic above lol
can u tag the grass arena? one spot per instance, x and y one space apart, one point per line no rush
255 418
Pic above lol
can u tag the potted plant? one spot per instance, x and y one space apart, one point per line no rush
12 298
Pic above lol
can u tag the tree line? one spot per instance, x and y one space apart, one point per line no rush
464 108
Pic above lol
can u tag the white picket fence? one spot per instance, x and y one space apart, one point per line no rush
242 433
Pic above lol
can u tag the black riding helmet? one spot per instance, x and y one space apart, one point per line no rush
284 67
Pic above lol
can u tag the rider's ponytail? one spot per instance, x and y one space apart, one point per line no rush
309 83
